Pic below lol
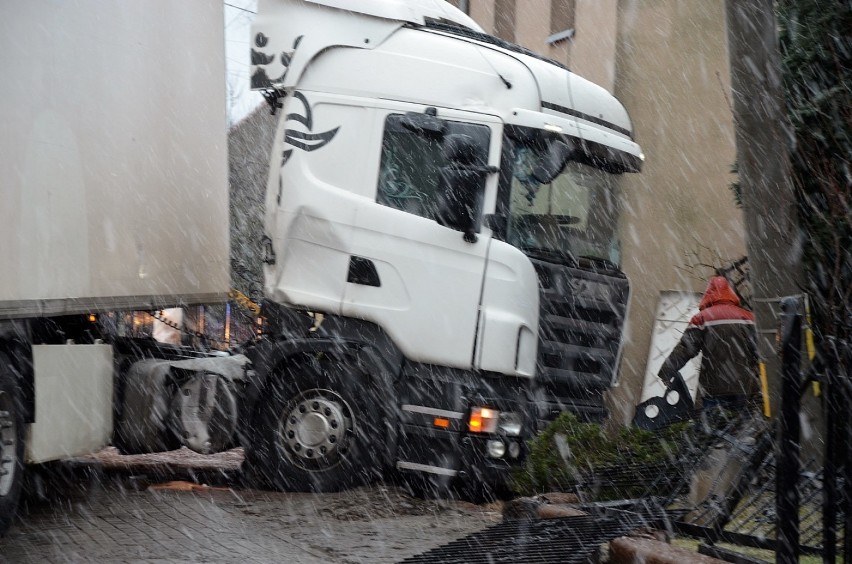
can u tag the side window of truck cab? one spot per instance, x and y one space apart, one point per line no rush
410 168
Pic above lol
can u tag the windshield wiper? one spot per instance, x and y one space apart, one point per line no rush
550 255
599 262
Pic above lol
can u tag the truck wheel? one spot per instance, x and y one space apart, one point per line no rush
315 432
11 446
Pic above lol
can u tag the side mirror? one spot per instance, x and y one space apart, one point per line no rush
462 184
427 124
553 161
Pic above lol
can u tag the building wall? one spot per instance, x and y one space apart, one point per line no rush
667 61
673 77
593 50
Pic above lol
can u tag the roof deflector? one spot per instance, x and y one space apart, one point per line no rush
412 11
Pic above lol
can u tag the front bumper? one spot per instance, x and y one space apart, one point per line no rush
452 455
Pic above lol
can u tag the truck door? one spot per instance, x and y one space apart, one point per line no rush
419 280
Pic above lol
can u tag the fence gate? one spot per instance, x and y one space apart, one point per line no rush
784 503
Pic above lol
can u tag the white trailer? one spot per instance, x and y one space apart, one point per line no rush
113 196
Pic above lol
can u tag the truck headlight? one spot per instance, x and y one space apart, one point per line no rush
510 423
487 420
496 448
514 449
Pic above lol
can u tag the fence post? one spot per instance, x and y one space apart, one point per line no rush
845 377
832 397
787 478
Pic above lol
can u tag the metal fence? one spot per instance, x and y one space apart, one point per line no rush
761 493
831 369
779 501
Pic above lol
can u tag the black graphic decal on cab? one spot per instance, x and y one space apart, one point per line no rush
306 141
259 79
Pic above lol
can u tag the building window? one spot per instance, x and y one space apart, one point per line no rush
562 14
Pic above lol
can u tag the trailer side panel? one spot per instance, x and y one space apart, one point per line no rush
113 156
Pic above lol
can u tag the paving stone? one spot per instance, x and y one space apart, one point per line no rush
630 550
117 524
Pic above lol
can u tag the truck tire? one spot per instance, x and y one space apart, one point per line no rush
316 429
11 445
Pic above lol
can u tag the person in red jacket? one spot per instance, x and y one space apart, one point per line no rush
725 333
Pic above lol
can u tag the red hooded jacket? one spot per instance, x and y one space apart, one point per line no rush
725 334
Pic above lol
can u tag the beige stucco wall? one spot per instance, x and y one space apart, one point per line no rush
591 53
667 61
532 24
672 75
482 12
593 48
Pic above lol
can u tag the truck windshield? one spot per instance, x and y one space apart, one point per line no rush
569 220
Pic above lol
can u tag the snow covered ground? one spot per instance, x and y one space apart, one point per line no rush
147 508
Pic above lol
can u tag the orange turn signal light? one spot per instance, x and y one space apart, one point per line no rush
483 420
442 423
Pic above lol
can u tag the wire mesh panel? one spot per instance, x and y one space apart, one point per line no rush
562 540
747 516
755 516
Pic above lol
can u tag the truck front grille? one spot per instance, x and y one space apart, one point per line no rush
581 321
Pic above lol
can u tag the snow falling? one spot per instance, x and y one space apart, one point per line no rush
435 281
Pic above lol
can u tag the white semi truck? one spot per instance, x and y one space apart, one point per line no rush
440 201
447 201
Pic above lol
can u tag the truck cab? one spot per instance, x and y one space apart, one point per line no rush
445 202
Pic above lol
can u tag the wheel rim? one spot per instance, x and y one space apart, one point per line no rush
318 430
8 444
